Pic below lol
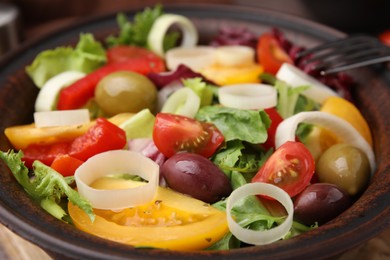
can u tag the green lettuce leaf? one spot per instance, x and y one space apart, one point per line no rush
245 125
47 187
86 57
136 32
202 89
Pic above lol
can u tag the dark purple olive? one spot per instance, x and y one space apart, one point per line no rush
320 202
195 175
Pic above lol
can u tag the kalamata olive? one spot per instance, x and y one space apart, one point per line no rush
125 91
196 176
346 166
320 202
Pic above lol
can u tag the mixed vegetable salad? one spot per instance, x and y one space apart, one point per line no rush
156 141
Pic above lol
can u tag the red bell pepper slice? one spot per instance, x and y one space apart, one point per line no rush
77 94
66 164
101 137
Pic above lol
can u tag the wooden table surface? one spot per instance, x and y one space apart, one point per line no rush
14 247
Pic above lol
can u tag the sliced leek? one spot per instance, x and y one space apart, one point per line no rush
248 96
235 55
264 237
161 26
196 58
341 128
61 118
117 162
296 78
183 101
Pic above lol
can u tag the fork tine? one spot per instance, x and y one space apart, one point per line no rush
345 42
344 54
341 58
333 52
355 65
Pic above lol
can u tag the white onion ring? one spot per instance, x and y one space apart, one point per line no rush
61 117
196 58
248 96
161 26
183 101
235 55
260 237
117 162
296 78
344 130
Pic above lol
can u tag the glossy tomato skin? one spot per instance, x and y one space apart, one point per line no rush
290 167
123 53
385 37
270 54
276 119
175 133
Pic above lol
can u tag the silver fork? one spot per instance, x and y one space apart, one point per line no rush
345 54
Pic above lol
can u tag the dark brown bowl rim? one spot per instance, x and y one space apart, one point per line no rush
330 239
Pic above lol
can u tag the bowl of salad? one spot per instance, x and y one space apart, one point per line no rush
191 131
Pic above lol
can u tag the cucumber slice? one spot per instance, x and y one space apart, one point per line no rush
140 125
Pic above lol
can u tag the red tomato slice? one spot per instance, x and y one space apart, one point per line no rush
290 167
123 53
66 165
276 119
174 133
270 54
385 37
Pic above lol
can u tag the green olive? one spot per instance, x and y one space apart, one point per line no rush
125 91
345 166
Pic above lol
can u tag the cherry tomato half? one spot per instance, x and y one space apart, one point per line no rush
270 54
123 53
290 168
385 37
174 133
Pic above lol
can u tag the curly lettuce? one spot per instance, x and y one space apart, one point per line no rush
47 187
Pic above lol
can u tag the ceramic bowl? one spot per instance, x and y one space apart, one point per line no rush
363 220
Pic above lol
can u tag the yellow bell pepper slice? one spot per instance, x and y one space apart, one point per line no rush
227 75
172 221
23 135
346 110
319 139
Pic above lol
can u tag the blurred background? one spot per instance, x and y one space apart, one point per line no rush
37 17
